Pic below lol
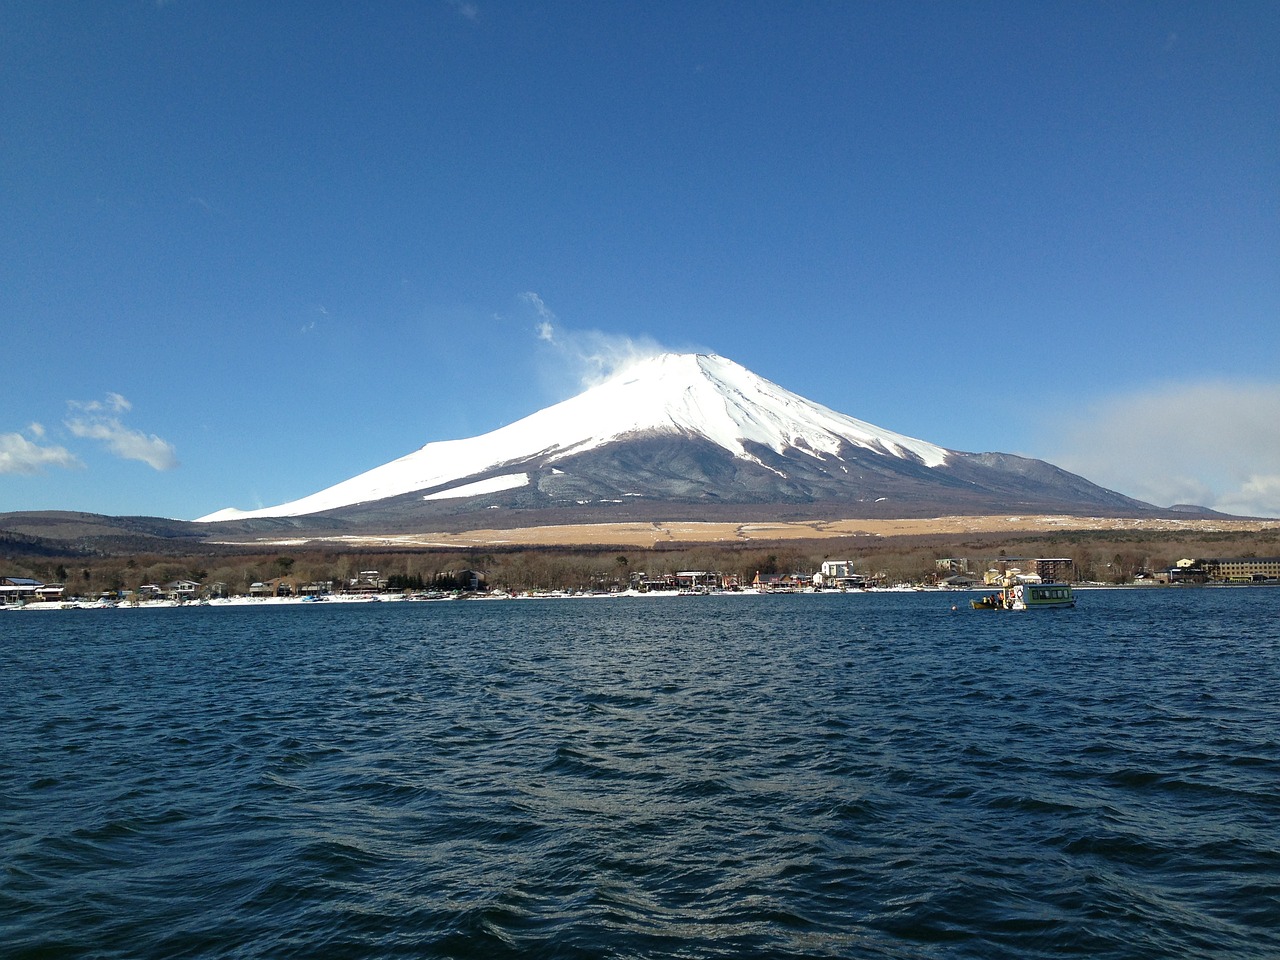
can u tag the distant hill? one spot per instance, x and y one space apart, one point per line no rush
67 533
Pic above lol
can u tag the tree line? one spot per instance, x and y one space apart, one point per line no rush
1098 556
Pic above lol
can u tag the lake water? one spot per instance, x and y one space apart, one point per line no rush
802 776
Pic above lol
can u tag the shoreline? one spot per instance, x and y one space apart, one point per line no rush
397 598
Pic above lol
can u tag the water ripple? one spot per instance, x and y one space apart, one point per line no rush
857 776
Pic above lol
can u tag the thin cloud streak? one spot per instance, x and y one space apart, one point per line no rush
100 423
546 328
114 403
1215 444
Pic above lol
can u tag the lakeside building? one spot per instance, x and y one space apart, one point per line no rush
1223 570
699 580
781 582
1186 570
1244 569
1047 569
182 590
369 581
275 587
841 575
18 590
50 592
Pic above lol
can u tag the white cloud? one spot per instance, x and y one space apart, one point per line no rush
1216 444
99 423
1259 494
20 455
127 443
115 403
545 328
591 355
309 325
466 9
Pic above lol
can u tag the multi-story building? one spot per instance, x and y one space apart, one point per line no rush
1243 569
1224 570
1048 569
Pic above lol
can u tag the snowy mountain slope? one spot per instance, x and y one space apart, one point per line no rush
749 423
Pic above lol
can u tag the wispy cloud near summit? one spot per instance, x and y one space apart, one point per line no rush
592 356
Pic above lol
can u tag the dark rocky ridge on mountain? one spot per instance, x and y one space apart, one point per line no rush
689 478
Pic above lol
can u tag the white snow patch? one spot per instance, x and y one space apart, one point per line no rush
492 485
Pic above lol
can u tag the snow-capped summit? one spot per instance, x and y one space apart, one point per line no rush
709 396
689 395
684 428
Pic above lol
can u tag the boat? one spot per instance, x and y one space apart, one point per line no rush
1049 595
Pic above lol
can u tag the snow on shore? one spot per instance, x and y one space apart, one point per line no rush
346 599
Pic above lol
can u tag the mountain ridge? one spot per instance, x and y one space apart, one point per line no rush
685 433
695 395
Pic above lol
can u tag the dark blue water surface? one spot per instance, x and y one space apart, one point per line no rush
854 776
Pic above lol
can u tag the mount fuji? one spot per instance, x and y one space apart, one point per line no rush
690 436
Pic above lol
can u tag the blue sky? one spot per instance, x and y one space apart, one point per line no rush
249 250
